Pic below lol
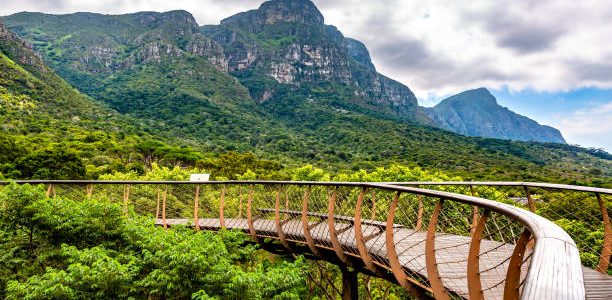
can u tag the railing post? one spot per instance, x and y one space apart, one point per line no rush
222 208
513 275
158 203
305 226
474 212
331 222
394 263
50 191
606 250
473 264
164 196
430 256
530 202
359 239
240 202
250 216
89 191
286 203
419 222
126 198
196 204
373 213
277 221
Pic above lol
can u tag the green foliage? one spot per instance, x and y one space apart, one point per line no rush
395 173
65 249
231 165
309 173
54 163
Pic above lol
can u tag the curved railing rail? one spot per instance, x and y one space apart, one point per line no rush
430 242
583 211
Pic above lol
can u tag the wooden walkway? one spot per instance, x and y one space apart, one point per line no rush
478 260
451 253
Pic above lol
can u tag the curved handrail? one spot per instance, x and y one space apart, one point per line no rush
554 271
508 183
328 183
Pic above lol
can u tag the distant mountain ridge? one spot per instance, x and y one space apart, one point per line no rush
476 113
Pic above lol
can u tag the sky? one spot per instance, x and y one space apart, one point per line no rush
549 60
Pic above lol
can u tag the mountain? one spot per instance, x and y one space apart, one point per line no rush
155 67
476 113
275 81
285 42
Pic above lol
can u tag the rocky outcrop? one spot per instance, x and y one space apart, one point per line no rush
476 113
105 43
19 50
288 41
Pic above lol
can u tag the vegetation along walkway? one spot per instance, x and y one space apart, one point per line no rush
429 237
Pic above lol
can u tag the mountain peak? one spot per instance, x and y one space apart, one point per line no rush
475 97
476 113
154 19
358 51
275 11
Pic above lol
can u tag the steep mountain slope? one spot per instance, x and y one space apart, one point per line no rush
476 113
155 67
47 125
34 99
285 42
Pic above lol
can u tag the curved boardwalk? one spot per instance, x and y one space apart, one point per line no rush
434 243
410 243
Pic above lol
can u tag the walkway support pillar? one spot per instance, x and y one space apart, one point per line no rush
350 290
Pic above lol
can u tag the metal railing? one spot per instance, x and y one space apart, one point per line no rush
430 242
584 212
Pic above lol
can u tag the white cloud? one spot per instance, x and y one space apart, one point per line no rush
591 126
542 45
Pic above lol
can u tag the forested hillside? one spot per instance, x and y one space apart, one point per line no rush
162 89
47 123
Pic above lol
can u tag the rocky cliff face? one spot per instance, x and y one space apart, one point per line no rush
476 113
20 51
104 43
32 95
156 67
288 41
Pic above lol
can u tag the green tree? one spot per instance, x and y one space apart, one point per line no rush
54 163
